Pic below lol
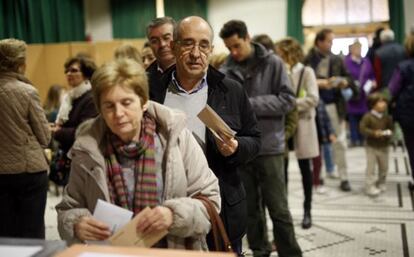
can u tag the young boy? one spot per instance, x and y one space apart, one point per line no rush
377 127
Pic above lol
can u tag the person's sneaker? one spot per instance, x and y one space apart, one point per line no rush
411 186
345 186
321 190
382 188
332 175
373 191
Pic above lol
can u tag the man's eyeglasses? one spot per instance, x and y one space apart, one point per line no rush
71 70
188 45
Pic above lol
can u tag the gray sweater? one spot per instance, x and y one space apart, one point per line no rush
266 82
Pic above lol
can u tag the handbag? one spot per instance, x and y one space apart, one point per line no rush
220 237
60 168
290 143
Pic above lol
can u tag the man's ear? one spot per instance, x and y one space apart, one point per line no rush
173 45
248 39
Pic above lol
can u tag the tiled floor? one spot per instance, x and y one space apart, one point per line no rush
344 224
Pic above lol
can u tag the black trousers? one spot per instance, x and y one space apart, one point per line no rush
307 178
22 205
409 144
306 171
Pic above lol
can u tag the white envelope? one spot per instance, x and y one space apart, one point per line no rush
113 216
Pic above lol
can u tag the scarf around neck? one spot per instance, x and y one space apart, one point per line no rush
66 106
143 152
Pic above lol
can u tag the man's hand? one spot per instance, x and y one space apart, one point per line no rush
332 138
88 228
343 83
323 83
337 82
157 219
227 146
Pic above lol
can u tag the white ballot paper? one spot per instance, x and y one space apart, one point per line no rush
367 86
113 216
215 123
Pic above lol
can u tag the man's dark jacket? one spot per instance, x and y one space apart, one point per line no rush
154 75
405 98
230 101
386 59
336 68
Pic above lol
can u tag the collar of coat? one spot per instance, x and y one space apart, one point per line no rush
214 78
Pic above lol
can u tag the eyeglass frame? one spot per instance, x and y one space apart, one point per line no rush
192 44
72 70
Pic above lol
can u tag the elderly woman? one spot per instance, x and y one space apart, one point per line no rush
77 106
307 96
133 139
24 134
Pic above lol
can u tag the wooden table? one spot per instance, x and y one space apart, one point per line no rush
106 251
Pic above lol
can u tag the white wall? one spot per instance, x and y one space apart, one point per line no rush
260 16
408 15
98 21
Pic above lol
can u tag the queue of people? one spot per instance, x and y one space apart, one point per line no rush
128 133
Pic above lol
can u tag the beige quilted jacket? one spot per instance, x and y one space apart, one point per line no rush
186 173
24 131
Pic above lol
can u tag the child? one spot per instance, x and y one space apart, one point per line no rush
326 134
377 127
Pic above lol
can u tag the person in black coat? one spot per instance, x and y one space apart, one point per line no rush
189 86
76 107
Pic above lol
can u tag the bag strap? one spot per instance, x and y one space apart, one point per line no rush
219 232
300 82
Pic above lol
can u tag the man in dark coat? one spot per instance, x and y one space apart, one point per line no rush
335 87
160 34
192 84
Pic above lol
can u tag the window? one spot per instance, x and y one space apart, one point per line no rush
342 12
341 45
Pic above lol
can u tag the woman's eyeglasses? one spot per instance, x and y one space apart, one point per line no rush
71 70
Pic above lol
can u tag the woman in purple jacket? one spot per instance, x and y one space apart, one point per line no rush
363 74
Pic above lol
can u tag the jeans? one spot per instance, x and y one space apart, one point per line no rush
356 137
327 157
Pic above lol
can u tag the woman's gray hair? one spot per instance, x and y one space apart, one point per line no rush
12 54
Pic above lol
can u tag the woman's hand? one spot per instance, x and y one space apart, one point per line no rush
88 228
54 127
157 219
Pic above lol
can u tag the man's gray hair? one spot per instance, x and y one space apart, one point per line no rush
387 35
159 22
